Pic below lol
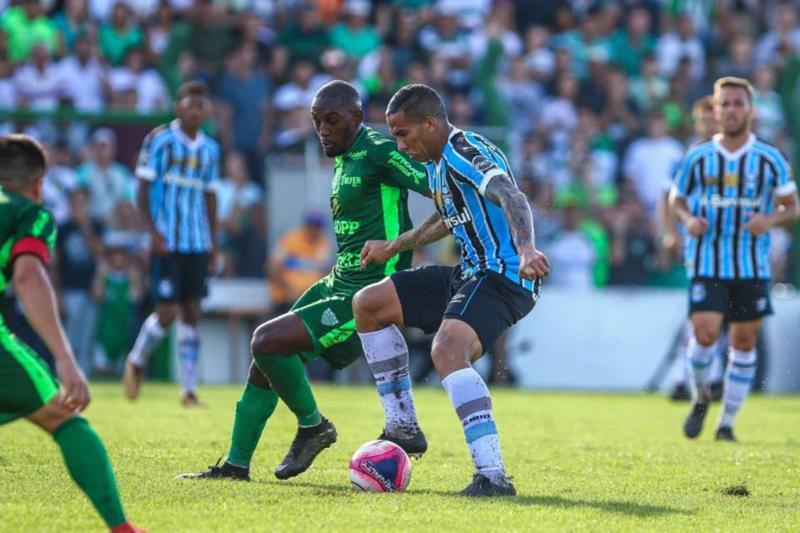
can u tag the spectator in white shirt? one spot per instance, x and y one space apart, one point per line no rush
681 43
83 77
108 181
38 82
151 93
783 39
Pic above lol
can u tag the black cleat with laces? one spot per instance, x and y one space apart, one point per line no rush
693 424
726 433
482 487
224 471
307 444
414 446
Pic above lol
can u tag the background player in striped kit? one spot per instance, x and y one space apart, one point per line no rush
469 306
177 165
738 187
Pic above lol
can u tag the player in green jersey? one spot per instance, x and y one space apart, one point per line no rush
369 201
27 388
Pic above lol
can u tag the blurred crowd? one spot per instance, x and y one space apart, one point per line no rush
591 99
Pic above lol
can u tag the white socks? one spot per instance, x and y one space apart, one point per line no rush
387 355
700 360
738 378
149 337
472 403
188 354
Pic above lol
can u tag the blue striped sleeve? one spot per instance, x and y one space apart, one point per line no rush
213 173
784 181
149 165
683 175
474 161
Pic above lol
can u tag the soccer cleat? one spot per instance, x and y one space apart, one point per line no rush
132 380
190 399
726 433
226 471
126 527
694 422
307 444
414 446
482 487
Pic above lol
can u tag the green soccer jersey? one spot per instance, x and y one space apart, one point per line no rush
370 202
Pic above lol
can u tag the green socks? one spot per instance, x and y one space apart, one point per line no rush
252 412
288 378
88 465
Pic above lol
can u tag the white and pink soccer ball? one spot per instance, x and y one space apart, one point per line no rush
380 466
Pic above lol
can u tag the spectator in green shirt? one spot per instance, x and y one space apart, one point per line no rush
630 46
26 25
73 21
355 37
120 34
303 39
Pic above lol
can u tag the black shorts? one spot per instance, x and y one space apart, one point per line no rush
488 302
179 277
739 300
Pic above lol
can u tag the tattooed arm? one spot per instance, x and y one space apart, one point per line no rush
429 231
502 191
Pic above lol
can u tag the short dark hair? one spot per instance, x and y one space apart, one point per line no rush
22 160
340 94
193 88
417 101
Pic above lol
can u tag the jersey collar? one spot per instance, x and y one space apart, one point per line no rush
717 139
357 140
193 144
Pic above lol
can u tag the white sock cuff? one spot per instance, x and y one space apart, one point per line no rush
698 352
386 343
151 323
744 357
465 385
187 331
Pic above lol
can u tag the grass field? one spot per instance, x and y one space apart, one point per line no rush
579 461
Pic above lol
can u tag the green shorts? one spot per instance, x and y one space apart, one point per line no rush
326 309
26 383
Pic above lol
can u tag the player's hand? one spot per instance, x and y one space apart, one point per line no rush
758 224
74 394
158 244
212 260
533 264
697 226
377 252
671 242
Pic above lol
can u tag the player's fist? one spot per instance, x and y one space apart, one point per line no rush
696 226
158 244
377 252
533 264
74 389
757 224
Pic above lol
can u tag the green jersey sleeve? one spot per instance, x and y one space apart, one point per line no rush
35 233
398 169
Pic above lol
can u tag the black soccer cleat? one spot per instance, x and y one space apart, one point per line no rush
483 487
694 422
414 446
307 444
726 433
226 471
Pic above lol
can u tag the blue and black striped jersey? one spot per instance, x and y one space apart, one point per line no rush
727 189
181 171
458 182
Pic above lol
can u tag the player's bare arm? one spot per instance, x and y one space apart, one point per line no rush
211 213
157 242
32 286
696 226
787 212
432 230
502 191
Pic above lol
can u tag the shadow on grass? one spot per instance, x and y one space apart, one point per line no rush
619 507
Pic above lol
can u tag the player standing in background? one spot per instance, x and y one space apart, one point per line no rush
729 192
27 389
468 306
369 201
177 166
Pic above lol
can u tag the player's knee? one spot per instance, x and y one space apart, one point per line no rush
257 377
743 340
705 336
263 341
50 416
367 305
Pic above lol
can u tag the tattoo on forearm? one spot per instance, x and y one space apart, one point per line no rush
429 231
503 192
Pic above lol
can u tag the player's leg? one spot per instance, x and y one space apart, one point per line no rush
189 350
415 298
481 311
165 282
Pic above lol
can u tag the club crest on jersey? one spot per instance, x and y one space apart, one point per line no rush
329 318
698 292
165 288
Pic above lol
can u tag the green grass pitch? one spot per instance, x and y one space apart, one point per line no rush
579 461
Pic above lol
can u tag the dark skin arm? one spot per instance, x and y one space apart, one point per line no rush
432 230
502 191
158 244
211 213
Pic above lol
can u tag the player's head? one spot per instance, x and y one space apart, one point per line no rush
337 116
418 120
22 165
193 104
733 105
705 122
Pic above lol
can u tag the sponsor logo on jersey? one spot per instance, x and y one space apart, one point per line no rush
329 318
698 292
482 164
174 178
401 163
716 201
348 261
350 181
456 220
346 227
355 156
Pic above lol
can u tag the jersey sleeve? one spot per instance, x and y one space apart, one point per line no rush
474 163
149 164
683 177
784 181
396 168
35 234
213 172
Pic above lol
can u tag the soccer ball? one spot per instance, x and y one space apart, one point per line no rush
380 466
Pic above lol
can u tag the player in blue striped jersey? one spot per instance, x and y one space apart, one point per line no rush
729 192
177 166
469 306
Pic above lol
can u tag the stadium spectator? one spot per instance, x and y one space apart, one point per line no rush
25 26
134 75
119 34
682 43
572 254
770 120
355 36
37 83
207 37
73 22
649 89
59 182
523 97
783 39
303 38
83 76
8 92
109 182
632 244
538 56
739 60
